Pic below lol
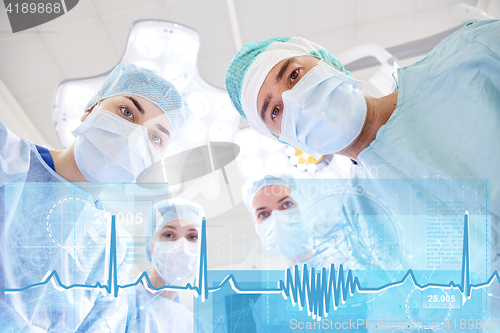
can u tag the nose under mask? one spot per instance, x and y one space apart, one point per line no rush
175 261
285 232
324 112
109 148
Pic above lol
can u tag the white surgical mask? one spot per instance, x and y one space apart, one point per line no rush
324 112
109 148
285 232
175 261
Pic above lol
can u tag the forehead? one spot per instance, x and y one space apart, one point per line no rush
182 226
269 195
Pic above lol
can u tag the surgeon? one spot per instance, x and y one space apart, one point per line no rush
320 229
441 121
50 224
174 253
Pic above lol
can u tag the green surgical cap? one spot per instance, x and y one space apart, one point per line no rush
281 48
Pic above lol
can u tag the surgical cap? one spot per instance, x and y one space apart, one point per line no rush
171 210
252 64
128 79
253 185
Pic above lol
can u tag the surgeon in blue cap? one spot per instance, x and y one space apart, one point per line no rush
442 121
50 223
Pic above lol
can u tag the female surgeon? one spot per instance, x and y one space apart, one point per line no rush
173 250
48 224
320 229
442 121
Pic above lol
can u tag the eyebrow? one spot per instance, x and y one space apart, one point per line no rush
282 199
264 107
137 104
279 201
163 129
284 68
282 72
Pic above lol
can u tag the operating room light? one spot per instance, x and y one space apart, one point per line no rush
219 131
176 74
198 103
196 131
149 43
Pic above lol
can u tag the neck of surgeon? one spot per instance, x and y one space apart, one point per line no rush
379 110
65 165
158 282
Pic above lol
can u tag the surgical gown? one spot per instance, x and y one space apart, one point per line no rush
139 310
446 123
47 226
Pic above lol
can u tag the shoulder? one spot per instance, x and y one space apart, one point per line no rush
14 155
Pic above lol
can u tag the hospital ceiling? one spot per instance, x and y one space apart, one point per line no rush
90 39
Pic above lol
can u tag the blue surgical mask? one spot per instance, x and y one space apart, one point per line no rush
109 148
324 112
285 232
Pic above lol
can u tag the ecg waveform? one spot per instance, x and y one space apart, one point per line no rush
307 288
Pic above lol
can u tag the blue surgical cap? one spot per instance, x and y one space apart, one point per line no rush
171 210
128 79
278 49
253 185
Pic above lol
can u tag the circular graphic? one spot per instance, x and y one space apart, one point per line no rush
38 258
49 247
429 306
73 223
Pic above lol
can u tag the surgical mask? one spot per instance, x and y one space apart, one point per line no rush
324 112
109 148
175 261
285 232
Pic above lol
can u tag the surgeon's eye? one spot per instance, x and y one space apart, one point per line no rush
294 75
156 139
169 235
127 112
263 215
288 205
192 238
275 112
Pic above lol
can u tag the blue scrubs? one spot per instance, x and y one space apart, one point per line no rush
139 310
46 224
446 123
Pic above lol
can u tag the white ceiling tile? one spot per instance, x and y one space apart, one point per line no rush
39 109
81 50
370 11
266 25
210 19
388 32
214 70
336 41
316 16
429 4
436 20
118 24
105 7
82 12
5 28
26 66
